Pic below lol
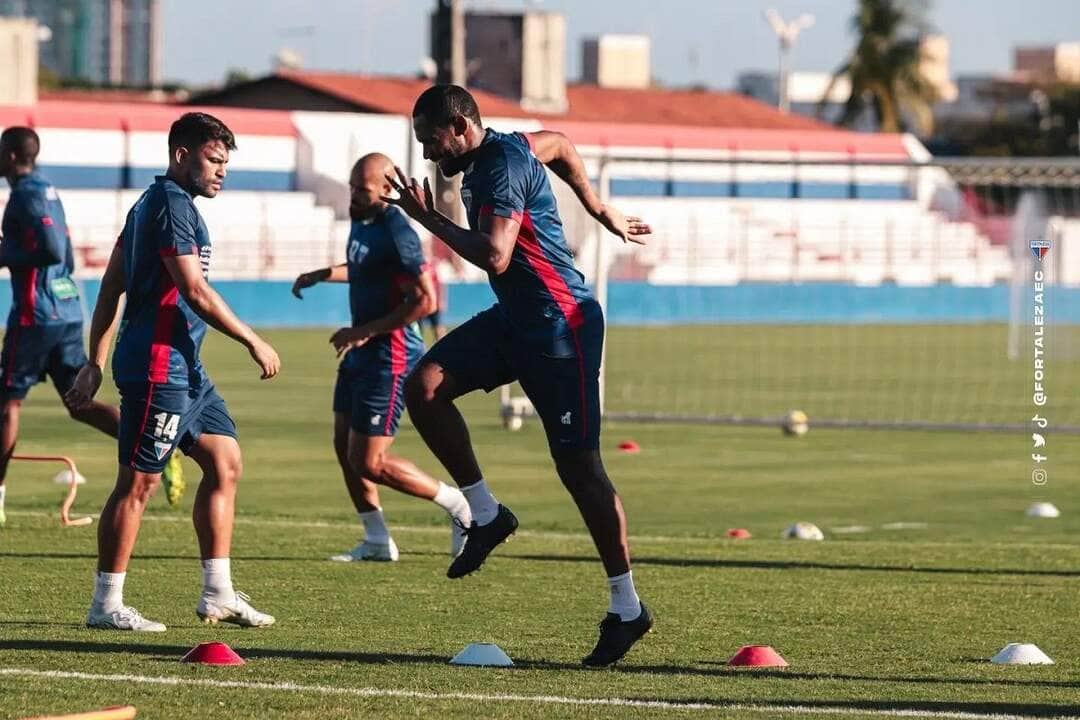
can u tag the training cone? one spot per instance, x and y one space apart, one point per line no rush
1043 510
629 446
484 655
739 533
757 656
1021 654
213 653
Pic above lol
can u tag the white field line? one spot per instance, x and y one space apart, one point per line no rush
540 534
368 692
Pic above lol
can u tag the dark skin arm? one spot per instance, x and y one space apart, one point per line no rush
556 151
489 247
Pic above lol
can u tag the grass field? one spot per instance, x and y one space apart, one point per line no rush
896 619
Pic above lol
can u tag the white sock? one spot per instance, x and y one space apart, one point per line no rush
483 504
109 591
3 494
375 530
624 599
454 503
217 577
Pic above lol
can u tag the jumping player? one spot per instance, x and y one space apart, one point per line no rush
390 289
167 400
546 331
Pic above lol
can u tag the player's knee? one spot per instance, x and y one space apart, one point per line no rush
369 464
229 468
143 486
10 410
581 470
421 388
341 447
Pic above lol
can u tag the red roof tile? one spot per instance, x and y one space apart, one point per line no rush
391 95
653 106
659 106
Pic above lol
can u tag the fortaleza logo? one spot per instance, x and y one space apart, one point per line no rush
1039 248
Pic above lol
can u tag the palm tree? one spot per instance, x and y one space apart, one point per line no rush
884 68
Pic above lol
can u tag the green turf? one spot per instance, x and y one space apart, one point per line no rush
884 619
883 373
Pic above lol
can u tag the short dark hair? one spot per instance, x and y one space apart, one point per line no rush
194 129
440 104
22 141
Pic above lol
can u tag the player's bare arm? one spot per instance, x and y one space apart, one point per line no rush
102 326
420 300
556 151
489 248
186 272
335 273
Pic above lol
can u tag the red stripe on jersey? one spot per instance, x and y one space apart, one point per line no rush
47 221
28 301
553 281
164 323
398 356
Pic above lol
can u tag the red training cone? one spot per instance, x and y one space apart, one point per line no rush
739 533
757 656
629 446
213 653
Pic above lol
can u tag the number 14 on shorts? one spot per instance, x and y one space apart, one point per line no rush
165 429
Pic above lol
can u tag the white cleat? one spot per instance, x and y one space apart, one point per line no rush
238 612
123 618
376 552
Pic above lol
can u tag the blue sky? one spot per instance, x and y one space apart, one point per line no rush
204 38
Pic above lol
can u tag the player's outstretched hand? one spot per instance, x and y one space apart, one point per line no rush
306 280
348 338
414 200
265 357
630 229
84 388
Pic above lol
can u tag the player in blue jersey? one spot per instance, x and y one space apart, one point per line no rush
390 289
546 331
167 400
44 329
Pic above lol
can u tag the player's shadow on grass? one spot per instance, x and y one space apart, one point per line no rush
796 565
173 653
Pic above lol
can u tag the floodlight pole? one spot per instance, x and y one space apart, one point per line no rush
786 33
448 51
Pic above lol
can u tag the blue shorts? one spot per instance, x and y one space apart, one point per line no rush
561 379
372 397
32 352
156 419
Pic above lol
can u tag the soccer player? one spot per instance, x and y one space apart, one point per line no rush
44 331
390 289
161 261
546 331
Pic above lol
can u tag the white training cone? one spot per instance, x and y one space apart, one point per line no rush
803 531
1021 654
483 654
64 478
1043 510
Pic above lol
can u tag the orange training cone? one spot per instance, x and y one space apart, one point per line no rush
629 446
213 653
757 656
739 533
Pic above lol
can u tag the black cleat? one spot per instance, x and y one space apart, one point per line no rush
480 540
617 636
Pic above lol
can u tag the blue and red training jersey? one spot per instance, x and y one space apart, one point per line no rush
36 249
541 293
383 256
161 335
